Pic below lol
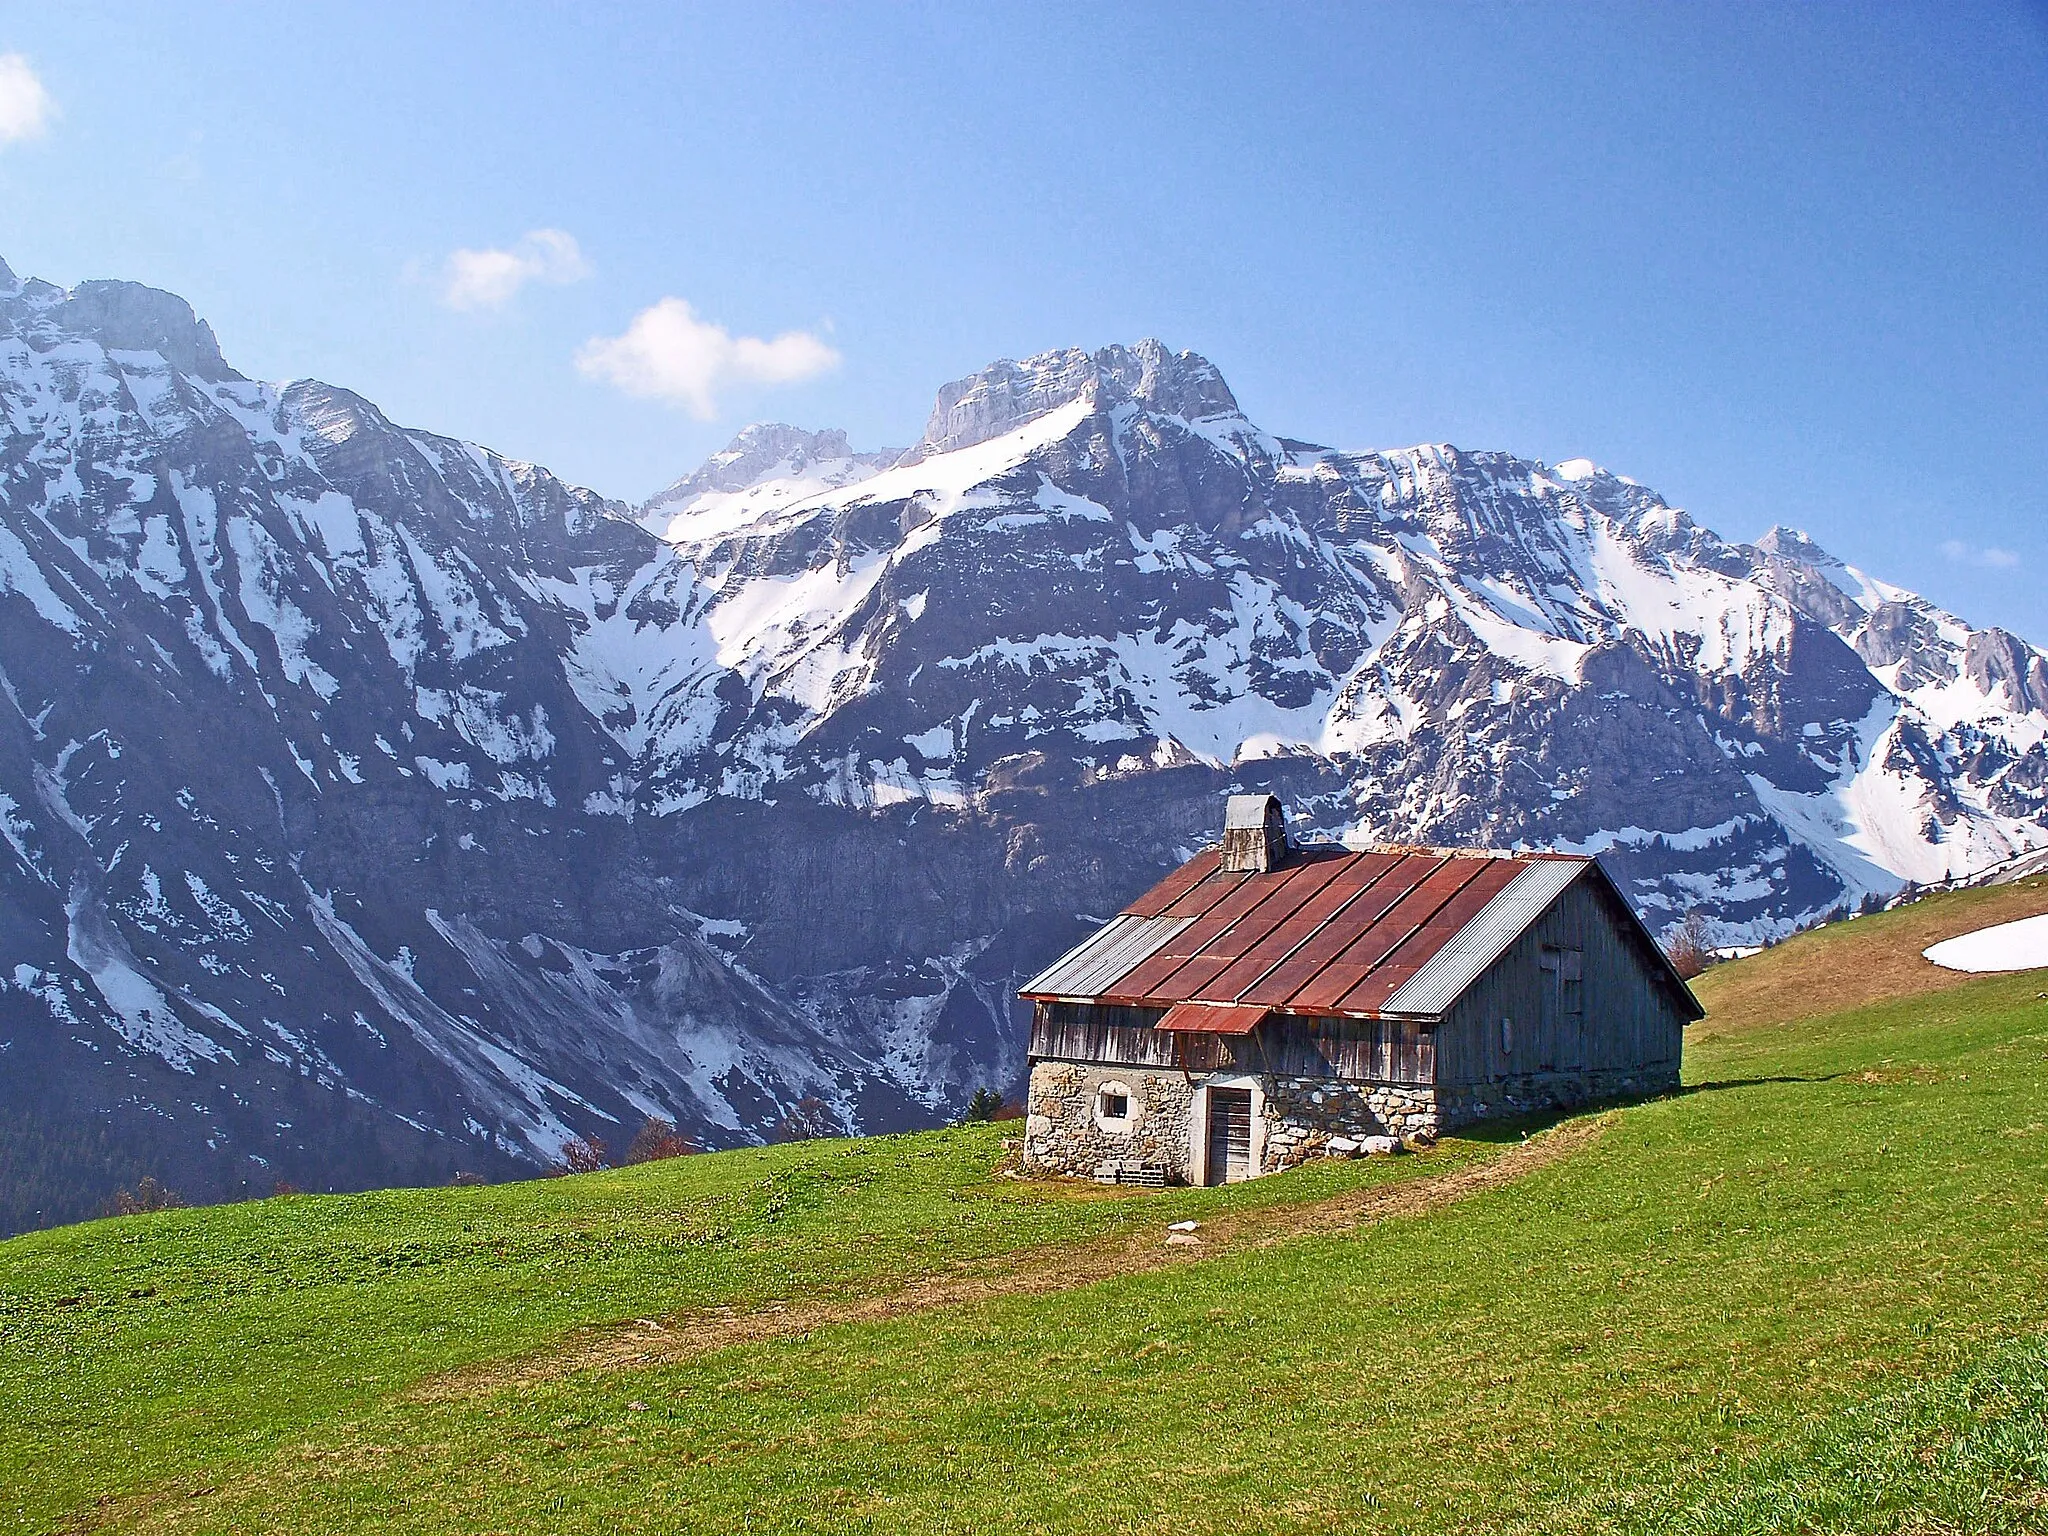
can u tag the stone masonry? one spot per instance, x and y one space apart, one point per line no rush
1315 1116
1539 1092
1303 1117
1063 1133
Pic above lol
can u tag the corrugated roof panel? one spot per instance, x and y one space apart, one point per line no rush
1391 879
1280 906
1201 899
1077 961
1333 981
1485 938
1090 968
1235 919
1492 877
1314 904
1211 1019
1407 916
1196 973
1114 964
1378 984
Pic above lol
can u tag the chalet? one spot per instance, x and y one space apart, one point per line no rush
1264 1004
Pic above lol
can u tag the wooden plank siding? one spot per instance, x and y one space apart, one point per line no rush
1101 1032
1629 1018
1356 1050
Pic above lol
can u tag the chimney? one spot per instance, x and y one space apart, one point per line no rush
1254 835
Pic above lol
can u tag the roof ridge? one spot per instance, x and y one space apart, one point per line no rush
1462 851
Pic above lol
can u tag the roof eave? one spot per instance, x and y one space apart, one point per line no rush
1361 1015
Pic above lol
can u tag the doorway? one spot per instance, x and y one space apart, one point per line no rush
1230 1135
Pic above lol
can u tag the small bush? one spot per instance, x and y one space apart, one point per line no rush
147 1195
285 1187
464 1180
1690 946
584 1156
985 1105
658 1139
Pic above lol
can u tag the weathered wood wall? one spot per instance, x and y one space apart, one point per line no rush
1357 1050
1100 1032
1629 1018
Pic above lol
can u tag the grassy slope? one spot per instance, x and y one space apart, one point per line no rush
189 1342
1792 1270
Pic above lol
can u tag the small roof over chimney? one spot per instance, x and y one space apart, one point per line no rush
1254 834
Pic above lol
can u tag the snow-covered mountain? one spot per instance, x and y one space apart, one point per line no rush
378 806
766 466
1098 562
306 762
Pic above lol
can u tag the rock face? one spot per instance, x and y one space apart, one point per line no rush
377 806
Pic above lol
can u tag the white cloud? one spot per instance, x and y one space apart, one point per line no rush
1990 557
25 107
667 353
489 279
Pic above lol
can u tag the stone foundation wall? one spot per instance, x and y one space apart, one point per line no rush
1304 1115
1064 1134
1540 1092
1301 1117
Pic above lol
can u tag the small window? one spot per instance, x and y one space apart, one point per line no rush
1507 1036
1115 1108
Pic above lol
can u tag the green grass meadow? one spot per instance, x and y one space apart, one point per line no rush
1809 1293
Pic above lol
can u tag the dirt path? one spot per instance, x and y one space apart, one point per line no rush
1033 1272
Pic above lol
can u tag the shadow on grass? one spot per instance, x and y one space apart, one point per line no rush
1514 1128
1722 1086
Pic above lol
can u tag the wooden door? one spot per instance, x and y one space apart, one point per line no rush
1564 1009
1230 1135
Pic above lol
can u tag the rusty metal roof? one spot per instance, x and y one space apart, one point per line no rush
1462 961
1211 1019
1116 947
1387 931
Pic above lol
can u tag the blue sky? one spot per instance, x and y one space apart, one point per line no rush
1782 263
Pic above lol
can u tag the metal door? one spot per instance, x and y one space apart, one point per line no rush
1230 1135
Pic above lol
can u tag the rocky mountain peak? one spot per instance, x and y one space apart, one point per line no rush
129 317
768 465
1794 544
1007 394
766 450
